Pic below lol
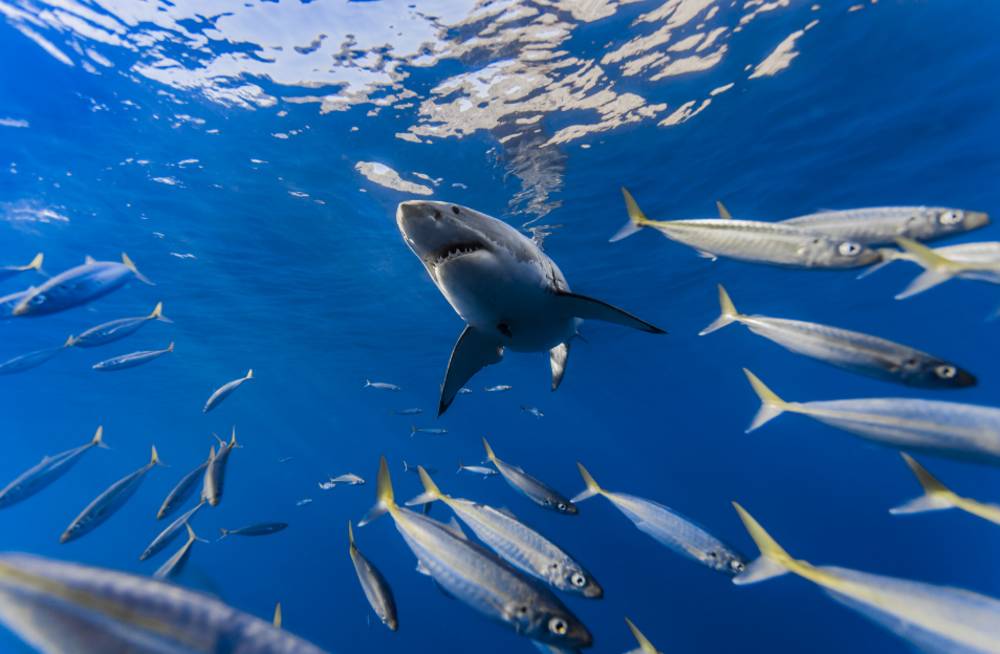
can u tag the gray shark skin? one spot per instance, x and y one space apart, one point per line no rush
509 292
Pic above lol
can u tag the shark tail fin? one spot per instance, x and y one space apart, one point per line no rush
385 500
723 211
727 315
636 218
771 406
936 495
774 561
157 314
592 488
135 271
431 492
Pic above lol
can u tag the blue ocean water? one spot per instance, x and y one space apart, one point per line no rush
230 171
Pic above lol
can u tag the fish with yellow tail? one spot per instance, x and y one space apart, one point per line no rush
854 351
645 647
937 497
47 471
9 271
882 225
936 619
479 578
961 431
77 286
373 584
753 241
939 268
132 359
176 563
538 492
515 542
113 330
975 252
224 391
30 360
668 527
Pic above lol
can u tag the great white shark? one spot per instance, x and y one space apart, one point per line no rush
509 292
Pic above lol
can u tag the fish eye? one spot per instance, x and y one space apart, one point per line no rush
578 580
455 210
946 372
737 566
521 609
562 506
950 217
558 626
849 249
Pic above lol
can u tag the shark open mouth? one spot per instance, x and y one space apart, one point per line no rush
456 251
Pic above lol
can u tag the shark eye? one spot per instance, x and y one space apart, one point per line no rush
558 626
950 217
849 249
945 372
455 210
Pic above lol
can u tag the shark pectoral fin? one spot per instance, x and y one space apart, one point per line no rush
472 352
557 359
581 306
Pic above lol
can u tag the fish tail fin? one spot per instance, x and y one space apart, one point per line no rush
249 374
232 439
459 467
385 500
406 466
723 211
728 313
771 406
170 348
368 383
154 458
157 314
222 533
925 256
888 256
135 271
636 218
36 263
593 488
413 430
644 644
936 495
193 536
774 561
431 491
350 534
490 454
276 620
70 341
937 269
98 439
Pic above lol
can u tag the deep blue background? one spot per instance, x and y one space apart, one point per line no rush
893 105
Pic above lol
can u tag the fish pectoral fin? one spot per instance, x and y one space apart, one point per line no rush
422 569
557 360
472 352
581 306
707 255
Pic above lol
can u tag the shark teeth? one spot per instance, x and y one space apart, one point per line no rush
456 251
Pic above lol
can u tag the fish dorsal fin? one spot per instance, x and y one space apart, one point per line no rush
936 495
455 529
581 306
507 512
276 620
473 351
558 356
89 260
723 211
645 646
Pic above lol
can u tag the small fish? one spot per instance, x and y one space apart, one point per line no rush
108 502
464 391
170 533
977 252
183 490
408 412
534 411
477 577
175 564
853 351
434 431
645 647
224 391
932 618
535 490
117 329
960 431
68 607
349 479
412 469
479 470
882 225
132 359
304 501
937 496
382 386
261 529
376 588
753 241
7 272
500 388
939 268
669 528
285 459
47 471
215 471
77 286
31 359
515 542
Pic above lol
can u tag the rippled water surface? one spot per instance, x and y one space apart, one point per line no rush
249 156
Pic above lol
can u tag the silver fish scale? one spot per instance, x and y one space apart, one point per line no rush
959 430
517 543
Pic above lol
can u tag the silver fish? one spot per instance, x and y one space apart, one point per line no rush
78 286
478 470
936 619
376 588
534 411
9 271
169 534
175 564
108 502
854 351
477 577
976 252
215 471
535 490
669 528
31 360
882 225
501 388
433 431
224 391
937 496
464 391
520 545
114 330
47 471
960 431
183 490
58 607
408 412
754 241
132 359
261 529
348 479
939 268
381 386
